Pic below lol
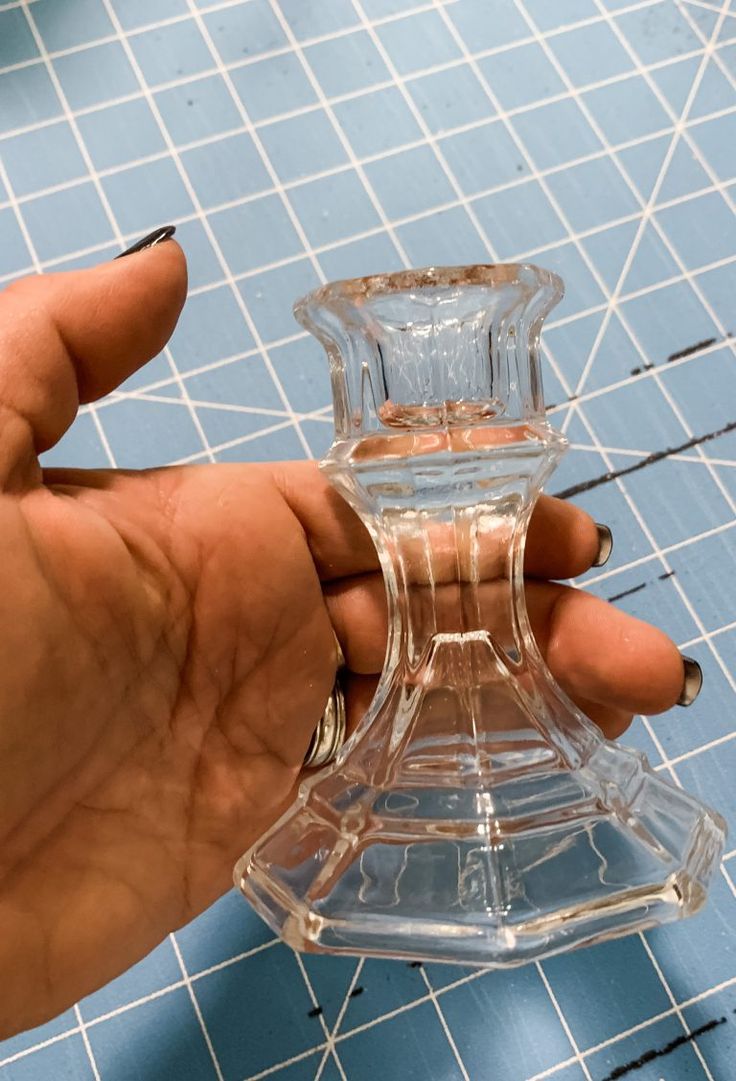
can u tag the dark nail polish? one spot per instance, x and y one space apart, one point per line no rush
692 682
605 545
164 232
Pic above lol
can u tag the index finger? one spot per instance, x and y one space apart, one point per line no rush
74 336
562 540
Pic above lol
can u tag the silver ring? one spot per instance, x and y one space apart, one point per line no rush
329 735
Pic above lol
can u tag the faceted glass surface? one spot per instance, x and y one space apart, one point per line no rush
475 815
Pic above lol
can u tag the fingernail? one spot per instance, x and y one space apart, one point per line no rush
605 545
164 232
692 683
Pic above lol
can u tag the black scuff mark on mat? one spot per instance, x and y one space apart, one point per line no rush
661 1052
656 456
628 592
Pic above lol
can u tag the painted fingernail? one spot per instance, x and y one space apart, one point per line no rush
164 232
692 683
605 545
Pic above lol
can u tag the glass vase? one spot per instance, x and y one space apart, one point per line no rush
475 815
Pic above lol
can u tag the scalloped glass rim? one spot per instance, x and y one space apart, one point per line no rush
348 291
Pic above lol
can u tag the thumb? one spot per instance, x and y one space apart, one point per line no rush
73 337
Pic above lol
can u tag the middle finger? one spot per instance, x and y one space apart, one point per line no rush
597 653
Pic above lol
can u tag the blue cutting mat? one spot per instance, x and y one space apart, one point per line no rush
294 141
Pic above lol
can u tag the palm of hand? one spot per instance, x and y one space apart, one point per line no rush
168 646
169 726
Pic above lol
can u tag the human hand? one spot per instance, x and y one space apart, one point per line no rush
168 647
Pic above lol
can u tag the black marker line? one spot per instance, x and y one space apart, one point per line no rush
647 366
650 459
627 592
648 1056
664 577
356 992
692 349
315 1012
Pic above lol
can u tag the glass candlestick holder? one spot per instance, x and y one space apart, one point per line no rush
475 815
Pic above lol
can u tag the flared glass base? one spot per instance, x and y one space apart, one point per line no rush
436 872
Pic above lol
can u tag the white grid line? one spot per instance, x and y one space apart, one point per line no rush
332 1035
624 451
510 113
334 245
344 142
355 161
588 262
646 213
710 7
167 350
431 137
196 1007
677 1009
87 1046
577 1056
577 408
409 78
646 209
151 388
22 224
173 20
691 96
611 1041
286 203
444 1026
235 292
663 550
105 202
318 39
285 418
331 1049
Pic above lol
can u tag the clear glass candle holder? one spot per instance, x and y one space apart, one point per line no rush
475 815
